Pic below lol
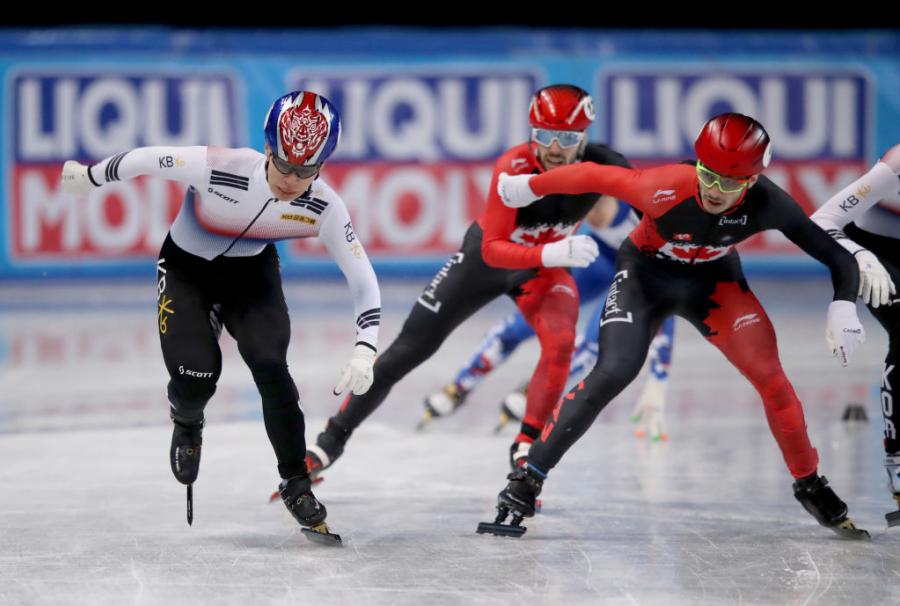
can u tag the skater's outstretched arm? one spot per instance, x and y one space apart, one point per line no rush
879 184
499 222
843 332
184 164
651 191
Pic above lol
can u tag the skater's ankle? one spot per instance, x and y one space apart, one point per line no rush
295 485
536 471
809 480
294 471
188 422
528 433
337 432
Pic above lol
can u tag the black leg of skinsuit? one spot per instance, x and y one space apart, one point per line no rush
464 285
888 252
189 345
633 312
715 298
255 314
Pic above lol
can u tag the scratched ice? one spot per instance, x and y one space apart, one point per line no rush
90 515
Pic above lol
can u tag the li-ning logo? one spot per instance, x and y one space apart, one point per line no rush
863 191
563 289
663 195
745 321
518 163
742 220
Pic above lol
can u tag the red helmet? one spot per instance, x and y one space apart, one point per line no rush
734 145
561 107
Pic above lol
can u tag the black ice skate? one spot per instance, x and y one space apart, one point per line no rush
517 499
826 507
319 457
442 403
184 454
518 458
184 458
893 517
307 510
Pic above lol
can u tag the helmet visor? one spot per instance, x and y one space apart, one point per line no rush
726 185
566 138
298 170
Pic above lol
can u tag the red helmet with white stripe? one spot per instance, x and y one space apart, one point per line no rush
561 107
734 145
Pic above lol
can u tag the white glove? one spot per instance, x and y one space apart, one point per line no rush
357 374
515 191
75 179
648 411
875 284
843 333
574 251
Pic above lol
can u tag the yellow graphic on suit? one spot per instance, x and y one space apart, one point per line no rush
300 218
165 310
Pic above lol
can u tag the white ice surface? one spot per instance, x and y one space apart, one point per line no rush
89 512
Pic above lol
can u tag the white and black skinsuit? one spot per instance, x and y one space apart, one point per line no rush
866 215
218 263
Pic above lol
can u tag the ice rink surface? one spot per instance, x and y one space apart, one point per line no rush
89 512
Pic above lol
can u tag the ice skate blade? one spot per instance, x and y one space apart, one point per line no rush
501 530
320 534
426 419
893 518
190 504
504 420
848 530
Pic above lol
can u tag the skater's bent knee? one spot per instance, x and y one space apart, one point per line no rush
275 384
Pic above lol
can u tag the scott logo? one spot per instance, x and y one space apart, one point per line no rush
193 373
221 195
